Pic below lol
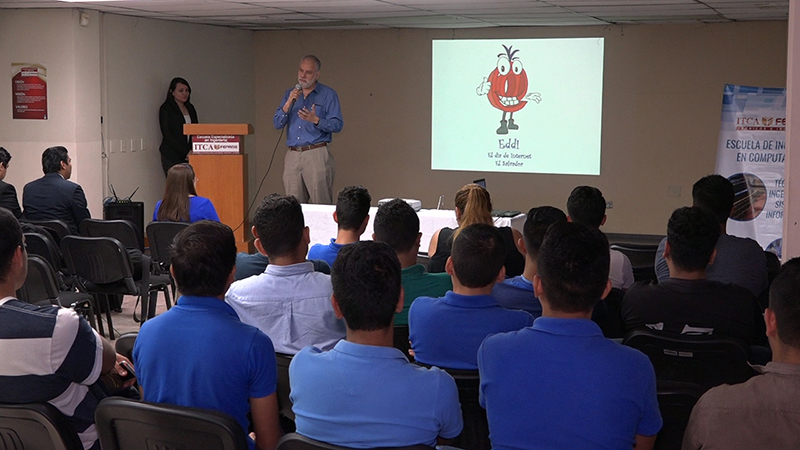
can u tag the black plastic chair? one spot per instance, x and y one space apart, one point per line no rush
160 236
102 268
36 426
401 340
124 424
283 390
57 228
642 257
41 288
610 321
704 360
124 344
675 401
294 441
125 232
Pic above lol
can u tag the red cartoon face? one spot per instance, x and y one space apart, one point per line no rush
509 84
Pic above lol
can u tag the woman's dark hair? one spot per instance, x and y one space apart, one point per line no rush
174 83
180 185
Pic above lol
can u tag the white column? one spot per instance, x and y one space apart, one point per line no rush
791 215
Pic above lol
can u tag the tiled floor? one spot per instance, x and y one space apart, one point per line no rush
124 323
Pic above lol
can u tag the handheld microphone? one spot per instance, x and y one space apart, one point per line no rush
298 87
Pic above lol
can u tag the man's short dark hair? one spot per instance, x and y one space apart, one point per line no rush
5 157
366 284
10 239
587 205
714 193
352 207
279 223
397 224
536 225
203 257
692 234
478 255
784 301
52 159
573 266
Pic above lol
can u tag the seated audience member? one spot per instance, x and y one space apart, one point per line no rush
249 264
8 195
447 331
199 353
53 197
739 260
587 205
397 224
688 302
181 202
517 292
560 383
50 354
289 302
351 217
364 393
762 412
474 205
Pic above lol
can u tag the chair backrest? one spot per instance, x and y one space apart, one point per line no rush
705 360
611 321
40 287
294 441
675 401
45 247
401 339
121 230
58 228
98 260
125 424
284 401
160 236
642 257
124 344
36 426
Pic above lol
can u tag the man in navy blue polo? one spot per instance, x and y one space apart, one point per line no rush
364 393
560 383
447 331
199 353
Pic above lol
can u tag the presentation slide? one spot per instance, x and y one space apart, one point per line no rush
517 105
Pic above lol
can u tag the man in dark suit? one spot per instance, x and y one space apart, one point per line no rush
8 195
52 196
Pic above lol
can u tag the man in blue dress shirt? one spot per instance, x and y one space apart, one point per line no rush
312 111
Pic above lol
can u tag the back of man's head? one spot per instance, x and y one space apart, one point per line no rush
715 194
784 301
203 256
573 266
396 224
10 240
52 159
352 207
366 285
587 205
279 223
478 255
536 225
5 157
692 234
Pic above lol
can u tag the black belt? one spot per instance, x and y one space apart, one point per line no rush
303 148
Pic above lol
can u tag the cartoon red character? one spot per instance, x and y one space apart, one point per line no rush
506 88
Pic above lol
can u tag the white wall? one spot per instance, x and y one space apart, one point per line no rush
140 57
54 39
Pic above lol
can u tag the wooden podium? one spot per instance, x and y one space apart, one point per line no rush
220 166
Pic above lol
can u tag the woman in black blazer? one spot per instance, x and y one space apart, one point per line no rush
174 112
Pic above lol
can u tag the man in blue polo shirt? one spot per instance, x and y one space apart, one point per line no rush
351 217
364 393
447 331
560 383
198 353
517 292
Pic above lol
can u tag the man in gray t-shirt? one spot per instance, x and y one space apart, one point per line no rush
739 261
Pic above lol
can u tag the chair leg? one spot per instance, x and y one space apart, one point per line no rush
166 297
144 299
108 317
152 302
96 306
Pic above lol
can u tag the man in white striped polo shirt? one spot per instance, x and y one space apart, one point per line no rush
47 354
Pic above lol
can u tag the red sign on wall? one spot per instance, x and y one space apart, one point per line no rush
29 91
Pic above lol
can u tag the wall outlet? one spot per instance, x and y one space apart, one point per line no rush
134 144
111 147
143 144
609 204
123 145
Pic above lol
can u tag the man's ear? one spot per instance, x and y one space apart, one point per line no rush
419 239
521 246
364 225
448 266
400 301
537 286
336 310
713 257
373 237
335 217
603 222
667 250
501 275
771 322
607 290
307 235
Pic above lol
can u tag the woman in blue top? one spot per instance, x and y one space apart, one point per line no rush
181 202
